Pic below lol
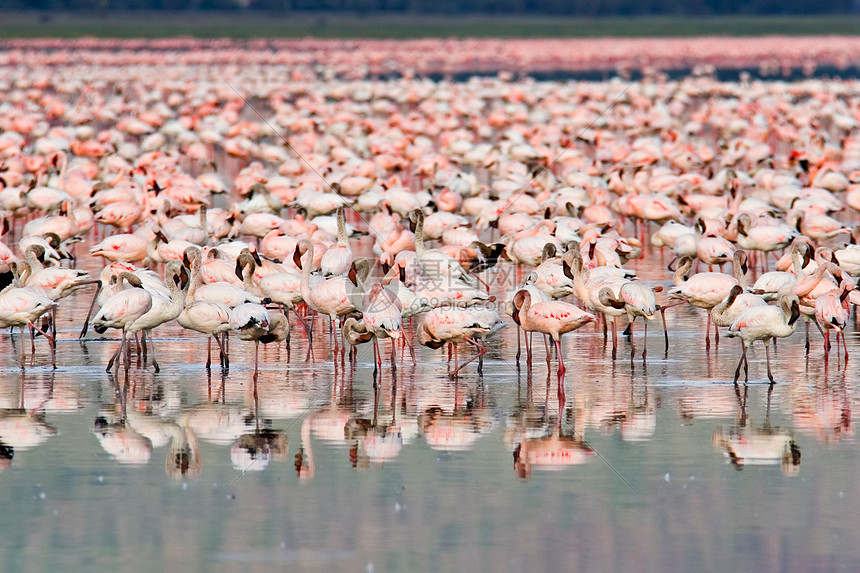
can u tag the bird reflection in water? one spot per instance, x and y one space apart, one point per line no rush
183 459
745 444
22 416
459 428
253 451
6 455
543 440
122 442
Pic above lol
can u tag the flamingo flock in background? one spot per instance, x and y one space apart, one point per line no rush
400 204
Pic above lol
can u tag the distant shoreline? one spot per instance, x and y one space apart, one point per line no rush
241 24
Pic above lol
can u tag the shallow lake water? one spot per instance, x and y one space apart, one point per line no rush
655 465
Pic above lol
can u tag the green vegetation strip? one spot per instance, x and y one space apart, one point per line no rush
401 26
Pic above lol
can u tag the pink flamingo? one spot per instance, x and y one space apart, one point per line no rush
121 311
212 319
253 322
764 323
22 306
337 260
703 290
453 324
551 317
332 297
831 314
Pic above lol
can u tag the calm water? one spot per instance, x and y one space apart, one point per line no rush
657 466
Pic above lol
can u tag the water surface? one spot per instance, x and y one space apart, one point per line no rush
655 465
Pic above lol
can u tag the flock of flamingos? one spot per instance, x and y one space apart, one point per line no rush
247 196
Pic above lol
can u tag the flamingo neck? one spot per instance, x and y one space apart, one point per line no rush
341 228
678 277
194 282
419 235
306 273
34 265
248 276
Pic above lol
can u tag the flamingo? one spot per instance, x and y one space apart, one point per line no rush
764 323
453 324
831 314
254 322
640 300
22 307
808 288
332 297
435 263
705 290
551 317
210 318
336 260
728 310
381 315
164 307
772 283
121 311
127 248
599 290
226 293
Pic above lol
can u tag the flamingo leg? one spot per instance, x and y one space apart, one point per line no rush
614 337
450 352
845 346
409 344
767 355
225 362
114 357
122 348
208 353
529 349
665 330
546 349
708 333
141 341
740 362
481 350
561 372
561 369
90 311
152 348
23 349
50 340
645 343
377 356
519 351
343 343
309 333
334 335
